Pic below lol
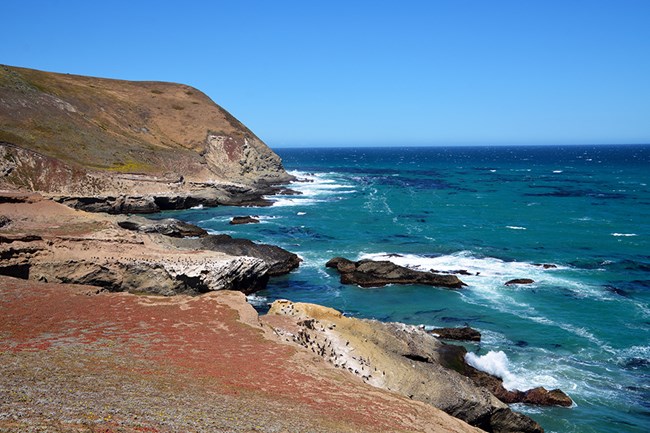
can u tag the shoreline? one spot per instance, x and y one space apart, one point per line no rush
100 239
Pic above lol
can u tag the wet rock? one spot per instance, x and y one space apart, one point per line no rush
519 281
370 273
454 358
545 265
464 334
244 220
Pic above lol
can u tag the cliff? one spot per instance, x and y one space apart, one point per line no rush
166 145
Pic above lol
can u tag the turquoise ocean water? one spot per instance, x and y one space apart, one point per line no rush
583 327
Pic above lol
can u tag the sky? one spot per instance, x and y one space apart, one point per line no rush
368 73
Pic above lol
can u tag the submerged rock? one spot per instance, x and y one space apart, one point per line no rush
519 281
370 273
244 220
545 265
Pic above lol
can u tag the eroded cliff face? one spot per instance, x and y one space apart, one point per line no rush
68 134
42 240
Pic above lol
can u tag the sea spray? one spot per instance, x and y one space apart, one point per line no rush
496 364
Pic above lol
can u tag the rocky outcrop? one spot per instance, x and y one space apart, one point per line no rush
280 261
244 220
370 273
463 334
159 277
395 357
519 281
168 227
50 242
121 146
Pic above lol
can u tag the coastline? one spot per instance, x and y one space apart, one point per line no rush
95 250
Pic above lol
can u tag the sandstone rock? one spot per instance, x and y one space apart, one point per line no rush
244 220
280 261
112 205
370 273
168 227
398 358
465 334
519 281
160 277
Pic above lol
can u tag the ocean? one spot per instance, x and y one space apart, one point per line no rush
498 213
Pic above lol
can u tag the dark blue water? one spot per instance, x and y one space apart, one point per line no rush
583 327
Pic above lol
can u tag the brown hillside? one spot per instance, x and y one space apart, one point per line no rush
113 126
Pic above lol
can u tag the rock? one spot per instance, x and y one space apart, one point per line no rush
545 265
396 357
4 221
541 397
370 273
244 220
519 281
168 227
464 334
280 261
161 277
112 205
453 357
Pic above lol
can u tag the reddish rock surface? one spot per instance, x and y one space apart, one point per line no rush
74 358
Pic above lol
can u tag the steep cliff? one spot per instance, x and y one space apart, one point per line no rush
80 136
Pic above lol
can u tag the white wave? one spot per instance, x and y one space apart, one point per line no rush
313 188
200 206
301 213
627 235
486 278
257 301
557 171
496 364
484 268
516 228
285 201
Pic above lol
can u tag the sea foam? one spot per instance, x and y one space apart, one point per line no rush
496 364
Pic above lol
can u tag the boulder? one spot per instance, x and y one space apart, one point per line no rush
519 281
464 334
370 273
244 220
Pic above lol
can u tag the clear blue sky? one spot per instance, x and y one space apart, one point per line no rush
368 72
